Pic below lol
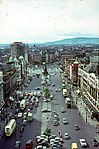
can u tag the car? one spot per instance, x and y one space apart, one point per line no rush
28 110
56 123
17 144
64 121
27 103
51 96
62 110
26 85
47 100
83 143
77 127
59 90
24 122
38 88
31 107
44 110
56 117
53 84
95 142
29 144
19 114
25 113
66 136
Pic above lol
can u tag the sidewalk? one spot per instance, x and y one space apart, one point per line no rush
85 113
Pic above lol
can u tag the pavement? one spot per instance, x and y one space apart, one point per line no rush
86 114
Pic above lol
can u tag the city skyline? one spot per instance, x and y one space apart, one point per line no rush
47 20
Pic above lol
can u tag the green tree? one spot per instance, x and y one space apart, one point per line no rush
47 132
46 93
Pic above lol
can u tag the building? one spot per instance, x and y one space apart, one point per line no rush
88 83
75 72
1 90
19 49
43 56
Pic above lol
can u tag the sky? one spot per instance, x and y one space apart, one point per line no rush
47 20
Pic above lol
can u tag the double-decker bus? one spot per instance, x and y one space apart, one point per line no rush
68 102
10 127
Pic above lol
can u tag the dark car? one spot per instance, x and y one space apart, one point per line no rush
17 144
53 84
29 144
77 127
95 142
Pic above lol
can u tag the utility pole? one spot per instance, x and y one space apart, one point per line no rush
86 113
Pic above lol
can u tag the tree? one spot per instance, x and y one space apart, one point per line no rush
46 93
47 132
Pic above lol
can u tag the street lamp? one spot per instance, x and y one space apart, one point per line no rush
86 113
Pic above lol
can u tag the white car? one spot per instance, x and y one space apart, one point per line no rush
62 110
66 136
19 115
83 142
65 122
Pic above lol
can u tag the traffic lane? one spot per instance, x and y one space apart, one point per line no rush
7 142
32 130
33 84
73 117
10 141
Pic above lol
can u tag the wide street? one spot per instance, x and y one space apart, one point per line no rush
72 115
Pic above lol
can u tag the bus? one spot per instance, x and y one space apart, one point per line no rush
68 102
22 104
10 127
30 117
65 93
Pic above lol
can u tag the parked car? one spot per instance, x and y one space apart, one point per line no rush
95 142
24 122
17 145
83 143
19 114
29 144
77 127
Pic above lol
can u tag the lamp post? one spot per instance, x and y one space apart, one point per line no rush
86 113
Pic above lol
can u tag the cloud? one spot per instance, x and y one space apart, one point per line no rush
47 19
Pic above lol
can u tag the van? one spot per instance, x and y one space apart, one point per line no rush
74 146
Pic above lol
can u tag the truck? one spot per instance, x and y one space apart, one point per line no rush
65 93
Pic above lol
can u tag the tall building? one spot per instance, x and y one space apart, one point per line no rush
75 72
19 49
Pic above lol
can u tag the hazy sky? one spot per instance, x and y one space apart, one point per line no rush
47 20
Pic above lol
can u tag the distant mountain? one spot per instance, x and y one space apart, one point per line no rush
6 45
75 41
